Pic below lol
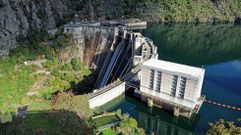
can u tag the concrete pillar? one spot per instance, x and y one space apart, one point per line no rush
176 111
150 102
189 114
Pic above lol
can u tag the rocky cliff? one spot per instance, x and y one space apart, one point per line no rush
18 17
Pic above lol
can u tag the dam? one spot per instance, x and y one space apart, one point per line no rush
123 66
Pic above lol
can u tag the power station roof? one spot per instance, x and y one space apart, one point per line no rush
174 67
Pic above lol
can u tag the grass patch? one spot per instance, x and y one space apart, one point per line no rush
108 132
14 84
44 117
40 106
48 123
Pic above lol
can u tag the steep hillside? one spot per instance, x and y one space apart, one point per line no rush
18 17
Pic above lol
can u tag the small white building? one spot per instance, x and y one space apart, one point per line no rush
176 87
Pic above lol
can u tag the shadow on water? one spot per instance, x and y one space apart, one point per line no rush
196 44
52 122
153 120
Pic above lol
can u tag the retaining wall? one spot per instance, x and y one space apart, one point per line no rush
107 96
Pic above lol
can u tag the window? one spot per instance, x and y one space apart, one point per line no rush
158 81
151 81
174 85
182 87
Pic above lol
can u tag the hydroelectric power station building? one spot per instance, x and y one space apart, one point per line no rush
172 86
167 85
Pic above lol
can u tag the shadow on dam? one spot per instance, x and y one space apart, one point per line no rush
102 61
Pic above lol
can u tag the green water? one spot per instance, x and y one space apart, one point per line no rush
218 49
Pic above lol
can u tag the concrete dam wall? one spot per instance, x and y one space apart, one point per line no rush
98 42
93 44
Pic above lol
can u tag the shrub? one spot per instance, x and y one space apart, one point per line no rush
76 64
107 132
67 67
50 64
6 117
50 54
57 84
68 77
67 101
25 100
56 73
132 123
46 93
222 127
118 114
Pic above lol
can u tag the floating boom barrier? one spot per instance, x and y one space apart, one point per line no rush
223 105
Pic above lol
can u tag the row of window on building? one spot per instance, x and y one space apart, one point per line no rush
173 89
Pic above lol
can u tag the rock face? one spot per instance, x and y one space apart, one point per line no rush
18 17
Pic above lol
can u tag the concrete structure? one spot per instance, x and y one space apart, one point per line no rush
172 86
107 94
163 84
144 49
130 24
77 30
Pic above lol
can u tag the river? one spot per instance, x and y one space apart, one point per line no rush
218 49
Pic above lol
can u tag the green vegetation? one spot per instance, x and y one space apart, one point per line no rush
132 123
71 102
127 125
173 10
222 127
43 105
76 64
65 114
49 123
35 67
14 83
108 132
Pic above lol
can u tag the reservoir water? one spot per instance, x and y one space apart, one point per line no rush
218 49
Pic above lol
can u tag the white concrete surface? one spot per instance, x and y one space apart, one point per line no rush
174 67
107 96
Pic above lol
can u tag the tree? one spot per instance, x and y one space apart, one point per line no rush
222 127
128 126
70 102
